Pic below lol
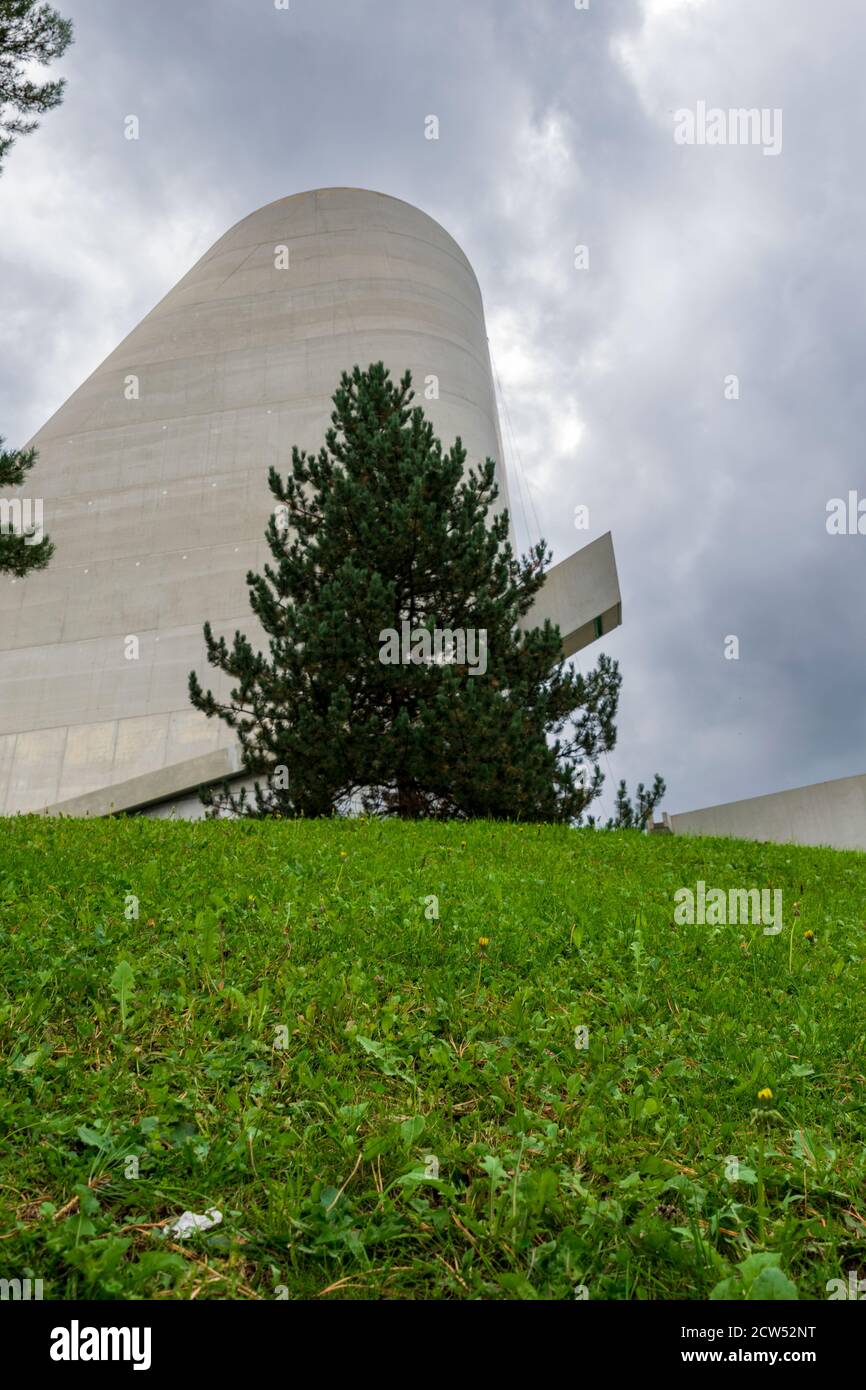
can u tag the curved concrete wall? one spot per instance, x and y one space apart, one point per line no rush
158 505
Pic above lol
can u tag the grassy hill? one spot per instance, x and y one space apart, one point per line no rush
287 1032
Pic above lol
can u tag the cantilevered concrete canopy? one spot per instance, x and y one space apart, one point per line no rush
154 480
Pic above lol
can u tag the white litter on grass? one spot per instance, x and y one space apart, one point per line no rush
190 1221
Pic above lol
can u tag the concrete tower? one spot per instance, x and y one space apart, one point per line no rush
153 477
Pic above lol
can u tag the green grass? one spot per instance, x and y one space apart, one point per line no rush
285 1035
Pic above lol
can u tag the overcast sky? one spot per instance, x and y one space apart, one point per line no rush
557 129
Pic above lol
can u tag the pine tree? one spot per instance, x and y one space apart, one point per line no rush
628 816
20 552
29 33
379 529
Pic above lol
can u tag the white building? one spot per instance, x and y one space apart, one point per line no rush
154 481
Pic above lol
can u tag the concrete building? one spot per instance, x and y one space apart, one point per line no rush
154 481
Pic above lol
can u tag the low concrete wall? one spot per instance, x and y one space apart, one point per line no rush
826 813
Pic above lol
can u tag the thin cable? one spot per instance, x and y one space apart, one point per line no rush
523 488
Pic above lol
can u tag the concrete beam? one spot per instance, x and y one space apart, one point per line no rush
581 596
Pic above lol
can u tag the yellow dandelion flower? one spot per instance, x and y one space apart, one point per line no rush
483 941
809 935
765 1094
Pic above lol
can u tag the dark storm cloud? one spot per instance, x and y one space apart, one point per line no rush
556 130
